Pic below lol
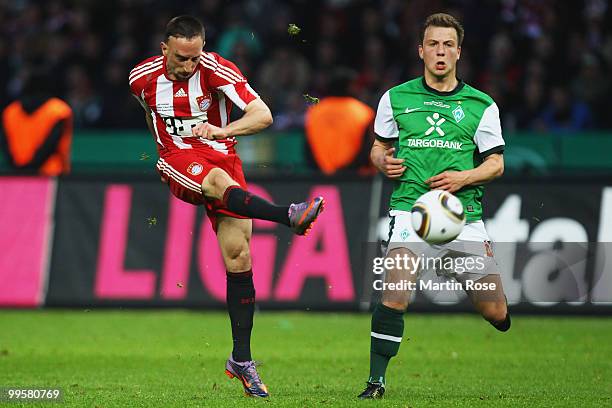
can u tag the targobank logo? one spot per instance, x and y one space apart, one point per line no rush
435 125
441 144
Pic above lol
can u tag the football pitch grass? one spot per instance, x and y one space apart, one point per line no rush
165 358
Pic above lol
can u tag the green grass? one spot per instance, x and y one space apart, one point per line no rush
176 358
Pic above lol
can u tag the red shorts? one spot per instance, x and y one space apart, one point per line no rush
184 171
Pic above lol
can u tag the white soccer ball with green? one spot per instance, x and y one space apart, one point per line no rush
438 217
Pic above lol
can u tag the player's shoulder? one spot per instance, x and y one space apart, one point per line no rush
212 60
477 95
149 62
400 92
221 67
139 75
409 86
405 90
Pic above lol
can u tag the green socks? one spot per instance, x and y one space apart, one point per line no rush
386 337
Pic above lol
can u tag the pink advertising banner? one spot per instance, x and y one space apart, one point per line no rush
323 254
134 243
87 242
26 220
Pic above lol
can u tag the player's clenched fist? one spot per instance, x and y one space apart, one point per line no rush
210 132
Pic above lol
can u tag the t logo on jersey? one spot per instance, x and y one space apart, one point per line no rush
435 123
204 102
458 114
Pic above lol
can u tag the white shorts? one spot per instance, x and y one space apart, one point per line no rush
473 242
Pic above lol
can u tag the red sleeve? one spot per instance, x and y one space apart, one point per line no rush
138 75
136 89
227 78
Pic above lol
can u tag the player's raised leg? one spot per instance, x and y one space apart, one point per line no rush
491 303
299 217
388 324
234 236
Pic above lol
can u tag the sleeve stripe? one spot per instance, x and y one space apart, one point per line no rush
496 149
219 74
231 73
154 67
142 67
145 66
202 62
138 76
219 67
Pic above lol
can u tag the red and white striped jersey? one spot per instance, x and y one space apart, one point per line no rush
177 106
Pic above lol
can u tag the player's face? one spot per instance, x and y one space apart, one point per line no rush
182 56
440 51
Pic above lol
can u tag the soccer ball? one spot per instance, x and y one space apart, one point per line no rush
438 217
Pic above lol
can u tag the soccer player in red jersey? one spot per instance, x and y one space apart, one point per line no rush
188 95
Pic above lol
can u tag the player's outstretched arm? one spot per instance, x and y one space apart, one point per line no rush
257 116
491 168
382 158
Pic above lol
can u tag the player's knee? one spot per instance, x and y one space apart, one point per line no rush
216 182
211 182
237 255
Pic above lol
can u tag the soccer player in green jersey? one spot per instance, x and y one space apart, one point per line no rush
435 132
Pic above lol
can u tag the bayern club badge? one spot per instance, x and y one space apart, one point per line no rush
203 102
195 168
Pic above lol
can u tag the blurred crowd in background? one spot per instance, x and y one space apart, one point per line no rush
546 63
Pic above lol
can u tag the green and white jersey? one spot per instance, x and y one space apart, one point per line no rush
437 131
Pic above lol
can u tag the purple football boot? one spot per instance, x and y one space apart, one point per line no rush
247 374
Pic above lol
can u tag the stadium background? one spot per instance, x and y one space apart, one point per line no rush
110 236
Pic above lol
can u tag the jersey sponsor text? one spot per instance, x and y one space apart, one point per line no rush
437 143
